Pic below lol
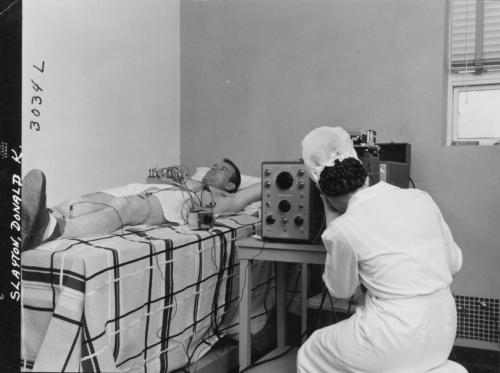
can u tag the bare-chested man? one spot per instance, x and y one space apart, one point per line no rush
133 204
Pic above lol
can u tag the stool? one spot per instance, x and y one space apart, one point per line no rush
448 367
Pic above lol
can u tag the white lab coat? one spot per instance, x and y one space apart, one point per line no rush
397 244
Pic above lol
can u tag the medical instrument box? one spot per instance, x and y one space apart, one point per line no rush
395 161
201 219
364 142
292 209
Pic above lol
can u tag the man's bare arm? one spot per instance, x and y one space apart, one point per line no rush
234 202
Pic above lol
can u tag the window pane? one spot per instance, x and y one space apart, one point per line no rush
478 114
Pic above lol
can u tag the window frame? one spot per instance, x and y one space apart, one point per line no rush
460 82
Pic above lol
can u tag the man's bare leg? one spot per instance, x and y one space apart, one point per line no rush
74 207
130 210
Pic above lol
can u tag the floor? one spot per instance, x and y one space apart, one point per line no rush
285 363
474 360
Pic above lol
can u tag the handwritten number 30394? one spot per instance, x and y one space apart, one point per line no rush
36 99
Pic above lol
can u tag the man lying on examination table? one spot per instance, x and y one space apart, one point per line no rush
396 243
133 204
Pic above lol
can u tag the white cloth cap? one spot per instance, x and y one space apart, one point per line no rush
322 146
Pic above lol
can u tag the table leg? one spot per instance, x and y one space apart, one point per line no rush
280 304
245 350
303 303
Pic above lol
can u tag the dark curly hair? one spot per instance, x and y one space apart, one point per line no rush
342 178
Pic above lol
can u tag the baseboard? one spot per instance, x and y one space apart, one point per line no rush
476 357
480 345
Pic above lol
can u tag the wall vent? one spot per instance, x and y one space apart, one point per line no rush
478 318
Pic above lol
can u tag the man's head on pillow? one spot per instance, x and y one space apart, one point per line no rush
223 175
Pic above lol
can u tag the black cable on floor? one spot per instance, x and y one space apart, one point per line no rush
274 357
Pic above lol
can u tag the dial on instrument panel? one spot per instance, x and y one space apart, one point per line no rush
270 219
284 205
284 180
299 220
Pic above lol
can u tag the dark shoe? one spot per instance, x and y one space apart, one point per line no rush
34 213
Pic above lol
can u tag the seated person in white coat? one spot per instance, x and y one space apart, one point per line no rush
133 204
396 243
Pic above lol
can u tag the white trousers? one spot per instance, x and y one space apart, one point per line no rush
385 336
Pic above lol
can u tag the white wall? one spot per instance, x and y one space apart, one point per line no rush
257 75
111 96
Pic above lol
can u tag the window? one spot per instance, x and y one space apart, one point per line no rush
474 73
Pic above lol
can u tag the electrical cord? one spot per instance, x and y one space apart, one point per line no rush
333 307
174 312
324 294
270 278
320 308
204 337
246 270
191 193
193 206
220 275
212 253
215 327
244 283
239 301
295 290
181 183
150 193
186 349
157 262
412 183
319 232
212 202
201 193
274 357
268 360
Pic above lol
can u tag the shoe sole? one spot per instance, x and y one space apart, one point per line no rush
33 203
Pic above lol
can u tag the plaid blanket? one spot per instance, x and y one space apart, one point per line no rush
144 299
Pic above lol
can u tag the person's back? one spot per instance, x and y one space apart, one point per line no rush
396 243
403 245
404 254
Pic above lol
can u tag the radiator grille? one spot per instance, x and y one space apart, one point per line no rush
478 318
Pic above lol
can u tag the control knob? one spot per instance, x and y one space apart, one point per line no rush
270 219
284 205
299 220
